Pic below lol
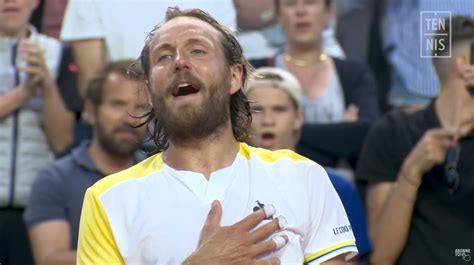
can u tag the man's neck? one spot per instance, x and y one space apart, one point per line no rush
203 155
451 106
106 162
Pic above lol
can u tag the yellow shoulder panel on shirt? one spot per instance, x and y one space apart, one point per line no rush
139 170
96 242
270 156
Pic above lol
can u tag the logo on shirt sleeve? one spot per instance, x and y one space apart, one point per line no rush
338 230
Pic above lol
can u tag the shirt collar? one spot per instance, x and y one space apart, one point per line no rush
432 120
431 117
31 34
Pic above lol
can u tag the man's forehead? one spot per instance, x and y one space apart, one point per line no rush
119 82
183 26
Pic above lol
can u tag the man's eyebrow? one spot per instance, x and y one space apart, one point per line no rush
189 41
198 40
161 47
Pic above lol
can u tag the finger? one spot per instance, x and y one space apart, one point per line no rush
268 229
438 156
213 220
352 108
30 46
441 133
33 60
36 80
270 261
253 219
264 231
30 70
465 130
269 246
445 143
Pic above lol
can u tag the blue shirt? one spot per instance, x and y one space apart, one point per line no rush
354 210
402 41
59 188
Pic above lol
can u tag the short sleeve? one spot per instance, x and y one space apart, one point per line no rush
330 231
354 210
47 200
96 244
81 21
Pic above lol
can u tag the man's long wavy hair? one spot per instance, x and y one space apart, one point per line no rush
240 114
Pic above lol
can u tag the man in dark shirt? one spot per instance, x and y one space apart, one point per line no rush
419 211
114 99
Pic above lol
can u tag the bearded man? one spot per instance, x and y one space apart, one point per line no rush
113 99
206 197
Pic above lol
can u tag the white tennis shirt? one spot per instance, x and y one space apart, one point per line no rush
154 214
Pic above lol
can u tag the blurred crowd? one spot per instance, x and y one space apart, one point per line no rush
341 82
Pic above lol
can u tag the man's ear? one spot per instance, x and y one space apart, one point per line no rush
237 72
460 63
91 112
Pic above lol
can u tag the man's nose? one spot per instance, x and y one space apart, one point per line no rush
180 62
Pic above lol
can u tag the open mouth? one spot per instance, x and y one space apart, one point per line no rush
184 89
268 140
268 136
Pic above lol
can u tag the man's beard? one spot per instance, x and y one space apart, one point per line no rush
117 147
192 122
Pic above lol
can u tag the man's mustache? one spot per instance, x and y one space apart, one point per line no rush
190 79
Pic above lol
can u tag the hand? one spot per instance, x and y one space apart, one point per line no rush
237 244
428 152
352 113
38 75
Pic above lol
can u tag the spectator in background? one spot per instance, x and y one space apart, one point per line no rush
413 79
277 118
354 21
419 170
35 124
340 100
261 35
98 31
114 98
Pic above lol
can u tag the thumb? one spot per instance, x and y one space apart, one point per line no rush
353 108
213 221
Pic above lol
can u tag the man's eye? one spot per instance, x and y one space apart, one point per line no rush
164 57
198 52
